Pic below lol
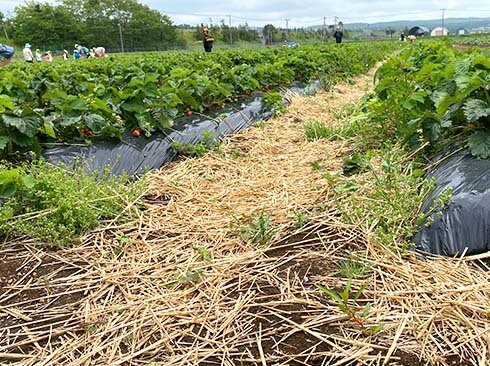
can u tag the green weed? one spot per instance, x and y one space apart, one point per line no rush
353 267
317 165
237 153
302 218
426 219
205 255
332 178
190 277
390 204
91 328
60 204
347 304
122 242
257 230
354 164
208 142
176 182
260 124
347 187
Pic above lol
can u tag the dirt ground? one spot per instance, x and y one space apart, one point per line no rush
180 284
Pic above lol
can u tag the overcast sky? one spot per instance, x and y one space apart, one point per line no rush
300 13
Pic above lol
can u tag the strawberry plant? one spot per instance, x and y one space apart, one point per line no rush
431 95
273 102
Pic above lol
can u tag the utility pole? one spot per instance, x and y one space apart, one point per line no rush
287 29
335 21
5 30
324 36
442 21
231 33
120 35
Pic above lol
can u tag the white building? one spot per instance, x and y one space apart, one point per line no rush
439 31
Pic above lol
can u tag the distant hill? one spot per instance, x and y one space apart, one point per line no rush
451 23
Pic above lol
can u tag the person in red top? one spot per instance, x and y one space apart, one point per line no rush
48 57
99 52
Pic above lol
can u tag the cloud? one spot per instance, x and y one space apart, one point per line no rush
304 12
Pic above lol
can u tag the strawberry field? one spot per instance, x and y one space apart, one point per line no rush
63 102
285 243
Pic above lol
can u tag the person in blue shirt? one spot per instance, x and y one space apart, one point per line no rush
38 55
76 54
6 53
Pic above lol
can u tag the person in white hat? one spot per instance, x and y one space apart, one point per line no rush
28 56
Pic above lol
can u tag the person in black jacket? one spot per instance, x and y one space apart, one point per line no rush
338 35
207 40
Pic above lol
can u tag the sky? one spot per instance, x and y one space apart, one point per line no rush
302 13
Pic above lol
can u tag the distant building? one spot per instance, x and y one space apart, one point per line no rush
480 30
439 31
418 31
461 31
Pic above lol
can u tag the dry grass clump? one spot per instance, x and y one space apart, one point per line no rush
184 285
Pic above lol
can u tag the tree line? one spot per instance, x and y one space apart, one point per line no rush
118 25
125 25
111 23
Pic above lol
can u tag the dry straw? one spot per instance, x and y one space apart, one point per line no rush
181 286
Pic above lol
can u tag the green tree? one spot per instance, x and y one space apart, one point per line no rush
43 25
150 28
102 21
246 34
268 32
389 31
109 23
5 25
112 22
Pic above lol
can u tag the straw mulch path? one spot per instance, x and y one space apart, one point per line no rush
185 284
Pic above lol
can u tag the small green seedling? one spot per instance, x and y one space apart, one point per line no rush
343 300
204 254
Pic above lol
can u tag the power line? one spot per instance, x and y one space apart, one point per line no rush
299 22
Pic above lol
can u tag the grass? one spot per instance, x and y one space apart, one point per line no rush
315 130
302 218
386 196
353 267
